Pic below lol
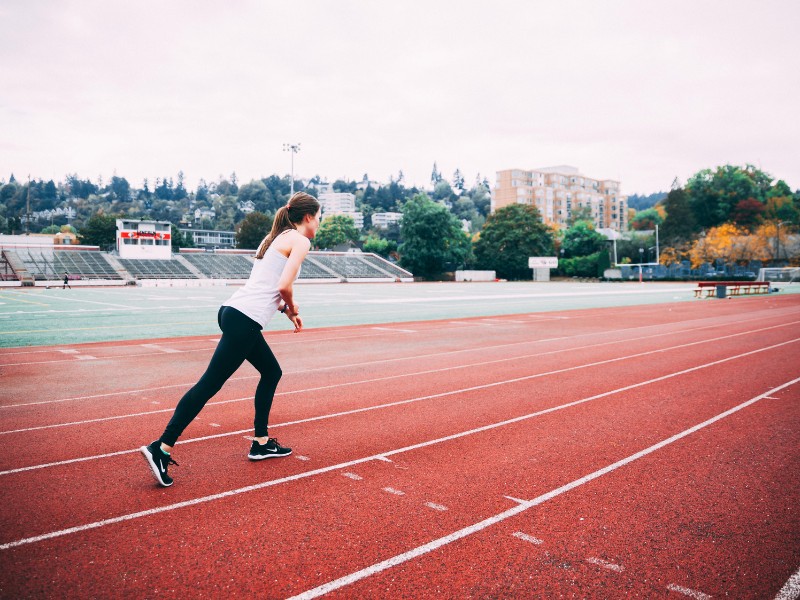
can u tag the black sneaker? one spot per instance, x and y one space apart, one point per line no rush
272 449
158 461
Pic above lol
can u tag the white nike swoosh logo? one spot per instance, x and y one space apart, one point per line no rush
271 450
160 466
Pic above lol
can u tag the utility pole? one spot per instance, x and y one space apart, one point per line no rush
28 208
294 149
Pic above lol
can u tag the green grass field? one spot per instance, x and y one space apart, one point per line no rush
38 316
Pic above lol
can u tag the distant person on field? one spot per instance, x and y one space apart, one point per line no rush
66 282
241 319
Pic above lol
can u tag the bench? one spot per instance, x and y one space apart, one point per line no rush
707 289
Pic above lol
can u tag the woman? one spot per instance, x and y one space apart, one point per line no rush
241 320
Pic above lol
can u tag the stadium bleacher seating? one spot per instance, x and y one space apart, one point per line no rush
221 266
51 265
156 269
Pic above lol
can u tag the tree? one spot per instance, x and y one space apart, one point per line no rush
120 188
458 181
336 230
748 212
646 219
100 230
726 243
179 240
433 241
679 224
255 192
436 176
510 236
714 194
253 229
581 239
379 245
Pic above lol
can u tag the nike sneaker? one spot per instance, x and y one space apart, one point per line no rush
158 461
272 449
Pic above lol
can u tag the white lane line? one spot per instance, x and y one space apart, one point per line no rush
85 357
791 589
384 455
605 564
434 506
301 457
353 476
393 491
407 358
523 506
394 329
528 538
450 368
159 348
688 592
68 350
462 533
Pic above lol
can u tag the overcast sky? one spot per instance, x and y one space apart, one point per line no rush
634 90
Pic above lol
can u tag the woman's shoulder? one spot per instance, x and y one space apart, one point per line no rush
290 240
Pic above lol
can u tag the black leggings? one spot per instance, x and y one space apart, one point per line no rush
241 340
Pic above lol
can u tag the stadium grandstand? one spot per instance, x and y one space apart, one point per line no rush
46 265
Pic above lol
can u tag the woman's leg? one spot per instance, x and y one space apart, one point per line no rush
239 335
262 358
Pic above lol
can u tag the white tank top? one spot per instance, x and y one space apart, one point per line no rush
259 297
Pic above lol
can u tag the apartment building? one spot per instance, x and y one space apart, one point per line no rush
559 191
341 203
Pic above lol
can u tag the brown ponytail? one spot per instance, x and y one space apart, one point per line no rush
287 217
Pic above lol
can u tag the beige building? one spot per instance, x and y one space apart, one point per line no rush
559 191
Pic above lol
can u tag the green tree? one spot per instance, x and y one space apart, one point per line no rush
679 225
253 229
255 192
510 236
179 240
100 230
433 241
335 230
714 194
582 240
379 245
120 188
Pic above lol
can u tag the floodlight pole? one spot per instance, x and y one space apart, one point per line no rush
294 149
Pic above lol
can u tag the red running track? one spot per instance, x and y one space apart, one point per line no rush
649 451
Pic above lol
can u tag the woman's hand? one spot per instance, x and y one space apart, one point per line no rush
291 310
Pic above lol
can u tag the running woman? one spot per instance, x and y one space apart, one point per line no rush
241 319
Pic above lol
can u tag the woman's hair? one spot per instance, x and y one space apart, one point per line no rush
287 217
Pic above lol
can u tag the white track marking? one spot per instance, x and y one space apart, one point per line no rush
527 538
427 372
688 592
791 589
605 564
462 533
394 329
402 358
160 348
353 476
384 455
523 506
435 506
393 491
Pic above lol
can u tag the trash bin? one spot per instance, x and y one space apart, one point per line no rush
722 291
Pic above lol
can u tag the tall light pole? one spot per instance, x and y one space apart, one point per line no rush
294 149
